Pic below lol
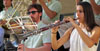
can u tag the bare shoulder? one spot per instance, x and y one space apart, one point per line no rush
96 29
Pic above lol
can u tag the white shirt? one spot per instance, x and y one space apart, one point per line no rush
77 44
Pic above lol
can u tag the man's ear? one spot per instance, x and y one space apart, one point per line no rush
40 14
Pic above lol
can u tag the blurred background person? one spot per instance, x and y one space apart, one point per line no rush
51 10
1 36
8 10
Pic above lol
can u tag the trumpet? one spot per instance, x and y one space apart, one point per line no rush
37 31
11 14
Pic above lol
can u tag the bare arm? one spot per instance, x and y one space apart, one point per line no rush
51 14
95 7
57 43
45 47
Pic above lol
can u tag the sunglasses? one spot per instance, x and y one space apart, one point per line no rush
33 12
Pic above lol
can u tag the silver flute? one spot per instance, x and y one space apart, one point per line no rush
35 32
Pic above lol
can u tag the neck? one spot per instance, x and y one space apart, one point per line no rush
37 21
6 8
82 25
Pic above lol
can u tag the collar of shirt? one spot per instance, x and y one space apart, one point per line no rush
40 25
8 12
10 8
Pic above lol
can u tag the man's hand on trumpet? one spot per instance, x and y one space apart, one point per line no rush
21 47
2 22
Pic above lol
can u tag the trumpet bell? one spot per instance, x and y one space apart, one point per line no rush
16 28
29 26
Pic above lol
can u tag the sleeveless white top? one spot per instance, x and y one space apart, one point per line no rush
77 44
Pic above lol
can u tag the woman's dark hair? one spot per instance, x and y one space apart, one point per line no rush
88 15
36 6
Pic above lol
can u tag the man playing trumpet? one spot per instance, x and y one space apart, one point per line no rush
39 42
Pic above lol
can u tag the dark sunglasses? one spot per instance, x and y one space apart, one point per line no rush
33 12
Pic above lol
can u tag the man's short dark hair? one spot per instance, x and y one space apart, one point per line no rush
36 6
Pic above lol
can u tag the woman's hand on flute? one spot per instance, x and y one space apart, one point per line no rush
69 19
55 29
